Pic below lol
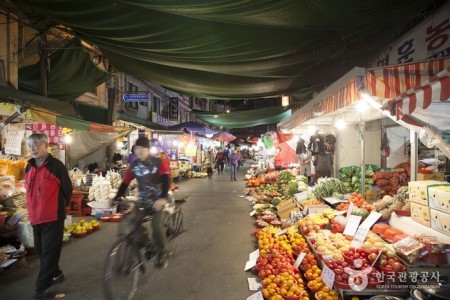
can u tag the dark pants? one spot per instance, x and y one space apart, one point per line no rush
233 172
48 240
220 166
209 170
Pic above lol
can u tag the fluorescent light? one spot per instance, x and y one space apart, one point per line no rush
285 101
209 135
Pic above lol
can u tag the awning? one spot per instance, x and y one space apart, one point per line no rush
139 121
71 73
418 93
92 113
47 117
243 119
193 127
342 93
9 94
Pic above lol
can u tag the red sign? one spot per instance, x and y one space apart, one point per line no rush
53 132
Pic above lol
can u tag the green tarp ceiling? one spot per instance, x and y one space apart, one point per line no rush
243 119
233 48
71 74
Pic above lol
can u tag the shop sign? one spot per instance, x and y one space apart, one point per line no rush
136 97
173 109
53 132
428 40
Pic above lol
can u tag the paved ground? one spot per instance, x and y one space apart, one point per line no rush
208 264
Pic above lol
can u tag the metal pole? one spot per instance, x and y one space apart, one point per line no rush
414 154
43 64
363 158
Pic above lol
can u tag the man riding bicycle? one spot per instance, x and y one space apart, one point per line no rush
152 174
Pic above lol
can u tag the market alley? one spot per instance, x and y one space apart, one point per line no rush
208 264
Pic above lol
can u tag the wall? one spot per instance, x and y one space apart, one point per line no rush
349 148
396 136
9 43
99 99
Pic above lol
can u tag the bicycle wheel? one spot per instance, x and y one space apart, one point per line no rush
123 270
171 236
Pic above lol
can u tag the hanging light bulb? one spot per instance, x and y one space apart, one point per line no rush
68 139
341 124
311 129
153 150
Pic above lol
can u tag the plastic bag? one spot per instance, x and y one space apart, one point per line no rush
25 234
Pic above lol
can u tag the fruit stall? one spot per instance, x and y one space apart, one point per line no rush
325 243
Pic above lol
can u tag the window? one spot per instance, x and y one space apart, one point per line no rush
131 89
156 104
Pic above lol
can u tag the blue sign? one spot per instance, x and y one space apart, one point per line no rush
136 97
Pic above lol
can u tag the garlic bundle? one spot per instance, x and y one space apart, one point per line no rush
100 189
114 178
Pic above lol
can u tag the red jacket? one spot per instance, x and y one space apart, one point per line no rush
49 189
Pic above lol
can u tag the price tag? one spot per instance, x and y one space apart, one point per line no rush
281 232
352 225
333 200
328 276
250 264
254 284
252 213
250 198
339 213
371 219
349 210
254 255
299 260
359 237
256 296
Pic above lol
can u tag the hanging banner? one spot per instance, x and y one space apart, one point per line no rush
428 40
14 139
173 109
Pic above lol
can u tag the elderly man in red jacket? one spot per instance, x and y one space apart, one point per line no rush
49 189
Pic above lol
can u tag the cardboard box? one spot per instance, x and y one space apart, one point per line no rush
418 191
433 176
287 214
439 197
440 221
420 214
373 194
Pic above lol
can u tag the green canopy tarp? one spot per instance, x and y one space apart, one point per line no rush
243 119
233 48
72 73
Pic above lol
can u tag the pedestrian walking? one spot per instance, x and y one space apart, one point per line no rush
240 158
227 154
208 161
234 161
49 189
220 161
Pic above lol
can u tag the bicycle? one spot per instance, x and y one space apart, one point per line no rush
125 262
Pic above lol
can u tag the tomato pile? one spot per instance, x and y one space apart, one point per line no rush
358 201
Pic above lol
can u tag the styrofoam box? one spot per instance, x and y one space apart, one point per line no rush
418 191
439 197
420 214
440 221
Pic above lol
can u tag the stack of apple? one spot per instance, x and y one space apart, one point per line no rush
390 263
310 231
343 269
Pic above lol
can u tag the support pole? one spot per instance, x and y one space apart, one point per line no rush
414 154
363 158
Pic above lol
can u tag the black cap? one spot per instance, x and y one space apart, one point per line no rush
143 142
